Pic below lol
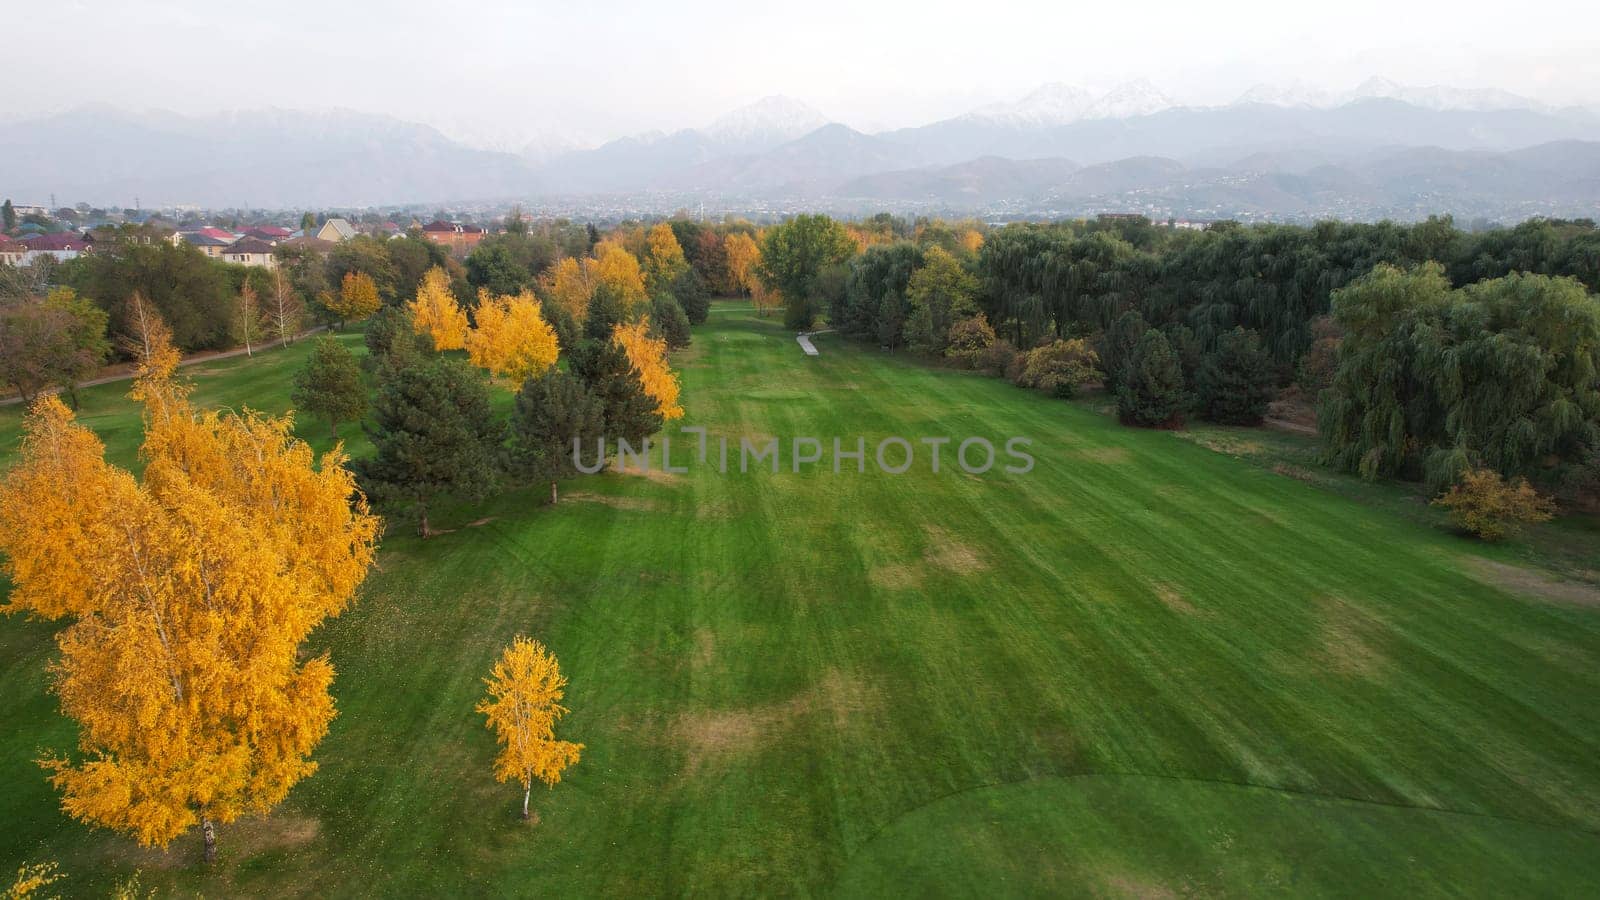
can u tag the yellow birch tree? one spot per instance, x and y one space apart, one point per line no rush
664 261
649 356
618 269
357 298
436 313
743 255
569 284
188 596
524 701
512 340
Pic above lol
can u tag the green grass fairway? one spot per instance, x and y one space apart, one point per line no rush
1144 668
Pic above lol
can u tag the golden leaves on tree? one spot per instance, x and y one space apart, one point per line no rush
188 597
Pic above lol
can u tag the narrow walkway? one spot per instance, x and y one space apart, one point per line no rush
186 361
804 339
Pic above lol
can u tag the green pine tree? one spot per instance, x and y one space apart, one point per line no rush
1152 391
627 411
435 436
554 412
330 385
670 321
1236 380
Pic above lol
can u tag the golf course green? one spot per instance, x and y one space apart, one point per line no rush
1143 668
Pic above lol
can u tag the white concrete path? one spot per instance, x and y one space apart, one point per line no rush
804 339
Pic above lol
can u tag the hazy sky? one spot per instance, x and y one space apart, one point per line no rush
502 71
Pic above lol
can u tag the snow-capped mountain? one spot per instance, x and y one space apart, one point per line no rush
1294 94
1434 97
1131 98
765 123
1056 103
1442 96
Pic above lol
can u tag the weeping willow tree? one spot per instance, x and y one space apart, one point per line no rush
1431 381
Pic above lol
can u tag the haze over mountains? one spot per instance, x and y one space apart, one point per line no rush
1280 151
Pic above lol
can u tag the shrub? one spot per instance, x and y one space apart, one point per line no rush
1059 367
1488 506
969 340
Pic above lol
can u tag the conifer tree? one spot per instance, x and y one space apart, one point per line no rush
330 385
1236 380
435 435
1152 392
556 415
670 320
628 413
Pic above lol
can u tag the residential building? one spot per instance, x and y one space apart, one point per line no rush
60 247
208 244
249 251
458 237
12 252
272 234
336 230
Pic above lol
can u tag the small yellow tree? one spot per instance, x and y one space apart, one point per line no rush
569 284
618 270
524 702
664 261
357 298
649 356
512 340
1492 508
436 313
743 255
189 595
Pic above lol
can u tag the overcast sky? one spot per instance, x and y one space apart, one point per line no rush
502 71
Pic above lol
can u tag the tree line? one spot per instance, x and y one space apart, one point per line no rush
1428 352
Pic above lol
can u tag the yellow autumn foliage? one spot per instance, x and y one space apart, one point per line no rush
512 340
649 356
188 596
436 313
569 284
743 255
618 270
664 260
357 297
523 703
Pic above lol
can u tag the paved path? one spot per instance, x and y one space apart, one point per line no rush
804 338
203 358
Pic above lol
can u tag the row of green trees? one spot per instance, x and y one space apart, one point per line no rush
1428 351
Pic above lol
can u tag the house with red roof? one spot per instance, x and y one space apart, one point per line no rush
60 247
458 237
11 252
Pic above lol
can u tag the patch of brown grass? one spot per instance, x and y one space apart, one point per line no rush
894 577
634 504
1174 600
947 552
1110 456
1122 884
1229 444
1535 584
716 737
1295 472
1345 641
654 473
705 648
